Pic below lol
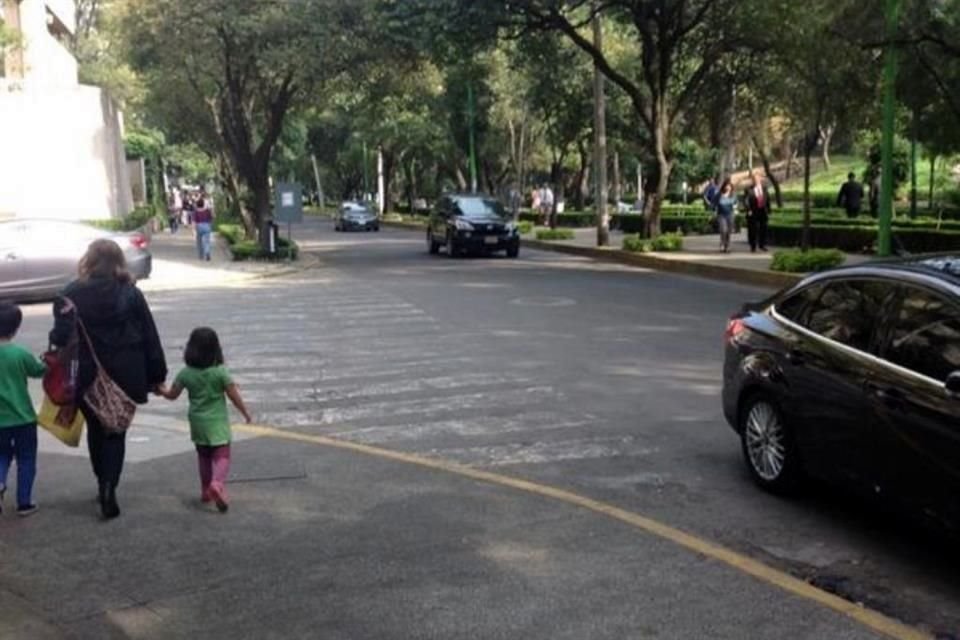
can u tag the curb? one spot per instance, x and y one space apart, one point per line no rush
714 272
300 266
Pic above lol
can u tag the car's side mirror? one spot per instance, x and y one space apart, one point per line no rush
953 384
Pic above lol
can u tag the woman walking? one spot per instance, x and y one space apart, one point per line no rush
107 305
203 220
725 207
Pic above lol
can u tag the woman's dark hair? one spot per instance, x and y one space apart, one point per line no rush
104 259
10 319
726 183
203 349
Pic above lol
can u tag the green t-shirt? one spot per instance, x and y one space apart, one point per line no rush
206 388
16 365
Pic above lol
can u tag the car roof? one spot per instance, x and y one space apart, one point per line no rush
944 268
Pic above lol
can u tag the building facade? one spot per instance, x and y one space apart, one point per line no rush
61 143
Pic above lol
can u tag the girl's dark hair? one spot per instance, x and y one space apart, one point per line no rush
10 319
726 183
203 349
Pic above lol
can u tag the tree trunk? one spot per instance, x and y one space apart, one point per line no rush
261 195
664 167
826 137
582 184
600 137
765 160
461 180
933 170
807 151
617 195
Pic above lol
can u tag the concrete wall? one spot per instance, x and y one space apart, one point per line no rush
136 169
61 155
47 63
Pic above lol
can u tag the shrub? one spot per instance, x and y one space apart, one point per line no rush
524 227
231 233
136 219
665 242
251 250
797 261
555 234
863 238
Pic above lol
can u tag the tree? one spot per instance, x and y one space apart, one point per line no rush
246 64
679 44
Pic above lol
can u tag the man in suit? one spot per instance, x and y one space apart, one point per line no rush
851 196
757 200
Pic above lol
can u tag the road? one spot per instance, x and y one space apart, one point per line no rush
596 379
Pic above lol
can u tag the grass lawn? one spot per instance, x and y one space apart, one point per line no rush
829 180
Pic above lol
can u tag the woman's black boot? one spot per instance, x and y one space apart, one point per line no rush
108 501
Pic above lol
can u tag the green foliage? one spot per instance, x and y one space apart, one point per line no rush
869 145
191 163
555 234
863 239
231 233
797 261
245 250
664 242
525 227
139 218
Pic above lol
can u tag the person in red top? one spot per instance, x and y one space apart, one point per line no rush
757 200
203 227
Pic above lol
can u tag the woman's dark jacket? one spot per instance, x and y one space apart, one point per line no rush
123 333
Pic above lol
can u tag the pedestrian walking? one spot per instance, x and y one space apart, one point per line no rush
546 202
851 196
725 205
203 228
174 210
208 383
757 203
18 420
710 193
123 340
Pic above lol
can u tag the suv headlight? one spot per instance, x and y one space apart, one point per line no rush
511 228
463 225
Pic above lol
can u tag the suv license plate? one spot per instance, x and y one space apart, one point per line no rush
491 240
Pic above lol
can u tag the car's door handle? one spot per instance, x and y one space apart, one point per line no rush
796 357
890 396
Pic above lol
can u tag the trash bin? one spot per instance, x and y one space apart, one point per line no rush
269 236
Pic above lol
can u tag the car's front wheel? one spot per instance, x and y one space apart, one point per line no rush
769 448
432 247
452 249
513 251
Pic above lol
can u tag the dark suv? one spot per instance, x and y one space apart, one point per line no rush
853 376
474 223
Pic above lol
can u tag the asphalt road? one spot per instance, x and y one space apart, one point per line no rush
590 377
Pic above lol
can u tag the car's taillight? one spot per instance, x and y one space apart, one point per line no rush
735 326
139 240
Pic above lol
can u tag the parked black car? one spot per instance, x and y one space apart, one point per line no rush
356 216
472 223
853 376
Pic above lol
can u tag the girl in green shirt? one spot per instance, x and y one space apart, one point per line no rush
208 384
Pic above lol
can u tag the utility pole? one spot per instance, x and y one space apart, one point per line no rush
600 140
889 108
471 118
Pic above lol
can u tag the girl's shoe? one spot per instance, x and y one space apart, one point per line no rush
27 510
221 500
205 496
3 492
109 508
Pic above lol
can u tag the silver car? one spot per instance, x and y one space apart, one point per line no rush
39 257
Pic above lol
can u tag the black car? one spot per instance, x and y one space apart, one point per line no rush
472 223
853 376
356 216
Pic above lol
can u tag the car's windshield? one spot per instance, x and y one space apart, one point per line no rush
353 211
480 207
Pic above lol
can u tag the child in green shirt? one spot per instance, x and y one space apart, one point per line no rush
18 420
207 383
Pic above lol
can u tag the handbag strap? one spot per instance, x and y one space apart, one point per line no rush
86 337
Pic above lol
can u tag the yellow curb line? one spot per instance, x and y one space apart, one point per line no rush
872 619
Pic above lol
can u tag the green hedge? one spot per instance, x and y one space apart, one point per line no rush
664 242
863 238
251 250
555 234
797 261
137 219
524 227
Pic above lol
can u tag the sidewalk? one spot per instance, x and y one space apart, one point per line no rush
176 265
701 256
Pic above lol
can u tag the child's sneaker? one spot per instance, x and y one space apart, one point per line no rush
220 499
27 510
3 492
205 496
